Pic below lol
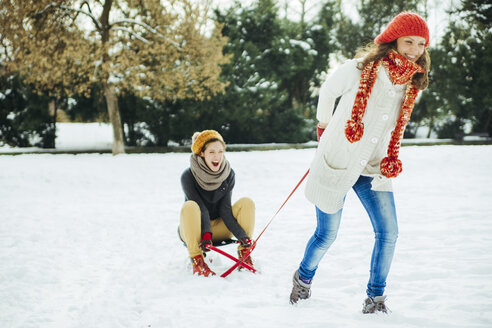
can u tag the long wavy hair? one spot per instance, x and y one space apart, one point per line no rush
373 52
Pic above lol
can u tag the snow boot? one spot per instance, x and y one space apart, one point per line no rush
300 289
248 260
200 267
376 304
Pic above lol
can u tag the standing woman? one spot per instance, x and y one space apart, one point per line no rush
207 215
359 145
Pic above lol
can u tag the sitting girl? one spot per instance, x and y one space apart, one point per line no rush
207 215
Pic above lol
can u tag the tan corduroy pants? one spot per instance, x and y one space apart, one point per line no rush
190 224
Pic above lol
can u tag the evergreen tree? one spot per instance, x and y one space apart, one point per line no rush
479 15
306 55
24 117
462 64
374 15
253 105
274 64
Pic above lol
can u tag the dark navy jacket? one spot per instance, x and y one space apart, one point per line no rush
213 204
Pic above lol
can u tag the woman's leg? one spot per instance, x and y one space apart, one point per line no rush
220 231
244 212
380 205
318 244
190 227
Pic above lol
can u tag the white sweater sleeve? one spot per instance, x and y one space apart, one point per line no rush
340 81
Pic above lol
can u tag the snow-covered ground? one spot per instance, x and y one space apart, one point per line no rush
90 241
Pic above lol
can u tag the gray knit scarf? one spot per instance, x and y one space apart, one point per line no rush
206 178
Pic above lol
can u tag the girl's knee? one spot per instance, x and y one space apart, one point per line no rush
244 209
190 207
246 203
190 212
244 212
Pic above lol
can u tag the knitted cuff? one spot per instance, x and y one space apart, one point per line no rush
207 236
319 131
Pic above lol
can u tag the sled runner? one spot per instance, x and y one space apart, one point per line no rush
239 262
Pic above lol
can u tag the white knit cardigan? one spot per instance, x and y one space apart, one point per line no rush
338 163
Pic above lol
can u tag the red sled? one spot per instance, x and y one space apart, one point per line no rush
239 262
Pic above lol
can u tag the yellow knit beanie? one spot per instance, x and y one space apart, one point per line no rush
199 140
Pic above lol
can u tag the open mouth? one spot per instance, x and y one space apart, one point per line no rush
215 163
412 58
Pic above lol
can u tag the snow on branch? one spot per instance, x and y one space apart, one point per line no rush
133 21
146 26
124 29
88 6
87 13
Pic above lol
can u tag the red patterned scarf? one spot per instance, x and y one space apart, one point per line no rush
401 71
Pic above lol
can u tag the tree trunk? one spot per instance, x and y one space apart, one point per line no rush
487 123
431 126
51 142
114 116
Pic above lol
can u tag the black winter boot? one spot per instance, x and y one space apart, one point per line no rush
300 289
376 304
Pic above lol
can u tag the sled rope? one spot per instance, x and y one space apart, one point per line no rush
273 217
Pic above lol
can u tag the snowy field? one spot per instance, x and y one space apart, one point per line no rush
90 241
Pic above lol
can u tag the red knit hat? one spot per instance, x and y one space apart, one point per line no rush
404 24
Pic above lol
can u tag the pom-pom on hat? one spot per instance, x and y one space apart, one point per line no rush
199 140
404 24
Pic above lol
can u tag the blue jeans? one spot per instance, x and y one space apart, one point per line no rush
380 206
